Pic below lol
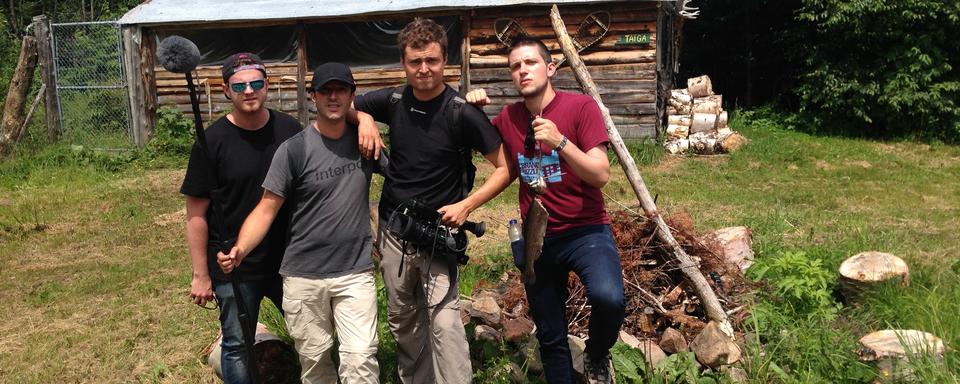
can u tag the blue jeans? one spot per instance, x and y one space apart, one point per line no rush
233 353
589 252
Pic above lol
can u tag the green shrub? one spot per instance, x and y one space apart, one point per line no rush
881 67
800 281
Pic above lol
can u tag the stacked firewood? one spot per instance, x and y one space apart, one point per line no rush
696 121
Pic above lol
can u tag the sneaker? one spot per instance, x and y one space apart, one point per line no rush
598 372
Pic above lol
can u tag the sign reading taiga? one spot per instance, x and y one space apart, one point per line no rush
634 39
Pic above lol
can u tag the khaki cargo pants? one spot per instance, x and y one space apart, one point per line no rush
431 341
315 308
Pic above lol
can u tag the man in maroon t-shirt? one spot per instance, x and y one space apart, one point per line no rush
561 136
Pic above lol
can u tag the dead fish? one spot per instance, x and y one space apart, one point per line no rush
534 229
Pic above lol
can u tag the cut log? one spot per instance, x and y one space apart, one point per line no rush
700 86
277 360
709 104
671 110
674 147
16 101
681 96
732 142
683 120
890 350
866 269
722 120
677 131
703 143
703 122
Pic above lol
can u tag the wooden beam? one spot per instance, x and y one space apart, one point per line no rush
131 61
689 269
302 114
41 30
148 81
465 54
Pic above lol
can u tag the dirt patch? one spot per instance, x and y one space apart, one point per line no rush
172 218
858 163
824 166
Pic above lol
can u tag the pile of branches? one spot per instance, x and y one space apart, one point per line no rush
657 297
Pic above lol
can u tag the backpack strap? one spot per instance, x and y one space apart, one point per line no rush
454 116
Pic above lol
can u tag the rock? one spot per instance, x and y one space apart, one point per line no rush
672 341
628 339
651 352
531 355
713 348
487 293
577 348
486 333
486 309
735 374
465 307
515 373
889 349
736 246
516 330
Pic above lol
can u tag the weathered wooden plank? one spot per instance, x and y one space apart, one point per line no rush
41 30
595 58
608 43
599 72
16 101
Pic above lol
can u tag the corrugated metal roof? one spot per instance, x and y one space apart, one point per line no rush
153 12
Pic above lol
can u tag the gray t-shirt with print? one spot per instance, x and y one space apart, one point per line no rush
329 185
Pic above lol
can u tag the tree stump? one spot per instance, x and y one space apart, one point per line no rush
890 350
699 86
866 269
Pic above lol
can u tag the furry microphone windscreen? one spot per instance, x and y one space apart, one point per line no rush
177 54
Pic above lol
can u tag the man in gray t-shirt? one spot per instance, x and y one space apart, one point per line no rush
327 270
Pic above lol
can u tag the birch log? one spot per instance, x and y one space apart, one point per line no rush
700 86
690 269
703 122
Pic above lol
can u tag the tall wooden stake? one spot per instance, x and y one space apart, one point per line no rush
690 269
17 95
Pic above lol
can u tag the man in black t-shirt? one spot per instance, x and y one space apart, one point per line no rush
428 162
241 145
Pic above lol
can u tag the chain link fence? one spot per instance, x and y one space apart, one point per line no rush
91 86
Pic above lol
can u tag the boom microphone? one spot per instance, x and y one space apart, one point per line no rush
177 54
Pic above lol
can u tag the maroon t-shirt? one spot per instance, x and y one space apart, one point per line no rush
570 201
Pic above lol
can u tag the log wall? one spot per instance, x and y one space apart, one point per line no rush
625 74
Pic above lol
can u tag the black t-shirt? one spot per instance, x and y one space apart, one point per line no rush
242 158
426 160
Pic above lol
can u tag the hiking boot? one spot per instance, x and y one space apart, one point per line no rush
600 371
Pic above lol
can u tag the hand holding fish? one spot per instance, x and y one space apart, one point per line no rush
546 132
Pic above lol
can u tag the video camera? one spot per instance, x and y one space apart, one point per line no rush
414 222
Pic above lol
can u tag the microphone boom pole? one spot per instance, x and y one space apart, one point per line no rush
180 55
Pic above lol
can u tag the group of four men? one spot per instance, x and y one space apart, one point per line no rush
303 194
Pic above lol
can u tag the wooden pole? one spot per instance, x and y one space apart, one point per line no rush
33 108
687 266
132 37
41 30
17 95
303 113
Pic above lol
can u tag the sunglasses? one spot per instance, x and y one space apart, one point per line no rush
240 87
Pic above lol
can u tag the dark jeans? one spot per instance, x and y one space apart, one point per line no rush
589 252
233 353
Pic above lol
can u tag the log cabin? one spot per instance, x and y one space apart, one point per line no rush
630 50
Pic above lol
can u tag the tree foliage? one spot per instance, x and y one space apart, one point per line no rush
882 67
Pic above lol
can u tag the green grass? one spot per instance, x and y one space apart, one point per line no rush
96 273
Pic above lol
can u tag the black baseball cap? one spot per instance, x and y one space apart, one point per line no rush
328 72
240 62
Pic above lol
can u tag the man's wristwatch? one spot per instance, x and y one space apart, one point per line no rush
563 143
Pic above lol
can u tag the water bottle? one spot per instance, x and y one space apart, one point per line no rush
516 242
513 231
